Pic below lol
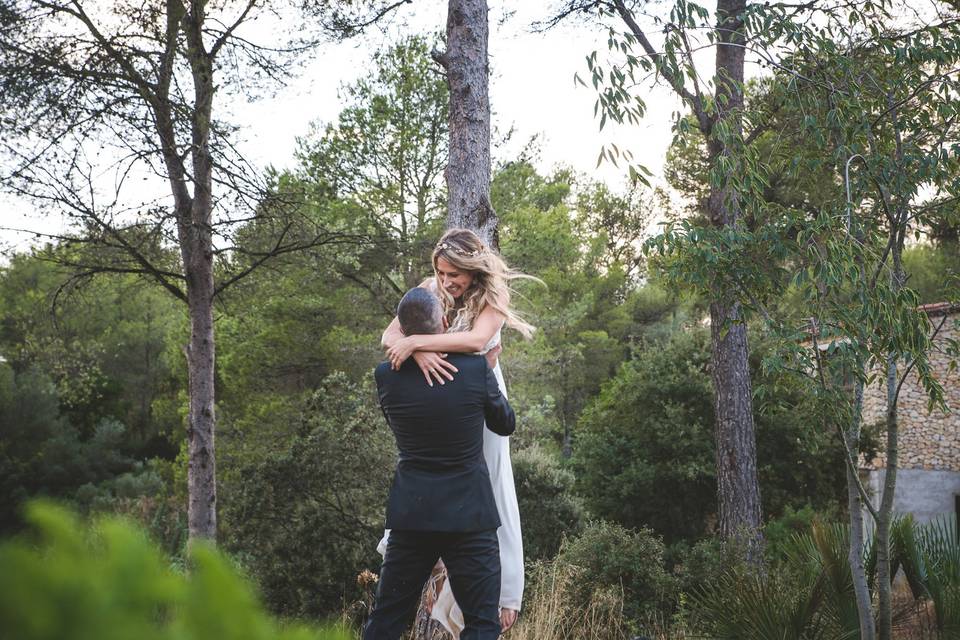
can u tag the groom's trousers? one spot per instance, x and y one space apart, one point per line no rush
473 568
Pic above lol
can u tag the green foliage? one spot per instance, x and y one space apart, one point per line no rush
549 509
109 581
806 592
383 162
807 589
306 516
554 608
88 371
41 453
581 240
610 556
779 532
798 461
933 271
751 606
103 342
701 565
653 419
930 556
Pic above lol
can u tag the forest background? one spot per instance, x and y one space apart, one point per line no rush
614 455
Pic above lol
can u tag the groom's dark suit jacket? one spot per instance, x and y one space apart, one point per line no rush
441 482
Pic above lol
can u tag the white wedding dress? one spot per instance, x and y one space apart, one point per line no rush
496 453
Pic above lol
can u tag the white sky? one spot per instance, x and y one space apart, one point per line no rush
532 90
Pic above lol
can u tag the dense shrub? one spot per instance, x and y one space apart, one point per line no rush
306 518
644 454
109 582
645 451
611 556
548 507
933 271
779 532
42 453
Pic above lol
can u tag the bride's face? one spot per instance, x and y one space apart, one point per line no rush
453 280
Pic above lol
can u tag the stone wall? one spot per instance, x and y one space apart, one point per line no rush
928 440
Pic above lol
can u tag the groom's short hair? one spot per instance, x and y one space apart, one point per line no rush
420 312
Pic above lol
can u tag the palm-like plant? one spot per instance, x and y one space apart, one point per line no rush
755 606
809 594
822 556
930 557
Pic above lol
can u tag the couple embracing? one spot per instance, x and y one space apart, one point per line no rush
453 503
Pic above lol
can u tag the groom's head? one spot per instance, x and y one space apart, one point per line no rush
420 312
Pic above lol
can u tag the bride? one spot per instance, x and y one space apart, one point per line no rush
472 281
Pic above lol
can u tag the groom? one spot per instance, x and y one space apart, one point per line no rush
441 503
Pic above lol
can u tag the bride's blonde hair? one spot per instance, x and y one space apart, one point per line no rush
491 277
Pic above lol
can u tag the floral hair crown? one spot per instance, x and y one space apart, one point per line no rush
462 252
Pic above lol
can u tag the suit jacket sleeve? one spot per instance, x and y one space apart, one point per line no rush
496 410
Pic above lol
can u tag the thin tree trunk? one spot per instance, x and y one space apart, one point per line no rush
886 507
885 512
897 279
737 485
855 505
468 166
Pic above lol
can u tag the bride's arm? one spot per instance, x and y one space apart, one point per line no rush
484 326
391 334
431 364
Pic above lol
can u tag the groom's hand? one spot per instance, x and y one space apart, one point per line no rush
507 618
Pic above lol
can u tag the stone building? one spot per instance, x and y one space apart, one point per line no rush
928 475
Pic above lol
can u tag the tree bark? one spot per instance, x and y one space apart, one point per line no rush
468 167
196 243
884 628
738 491
855 506
201 478
898 229
737 485
885 512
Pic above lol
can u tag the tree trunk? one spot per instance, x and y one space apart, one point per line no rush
855 505
196 242
737 486
886 508
885 512
738 491
468 162
202 511
468 167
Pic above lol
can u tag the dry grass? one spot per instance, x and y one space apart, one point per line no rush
912 619
554 612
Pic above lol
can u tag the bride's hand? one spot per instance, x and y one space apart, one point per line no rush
507 618
492 356
434 365
400 351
